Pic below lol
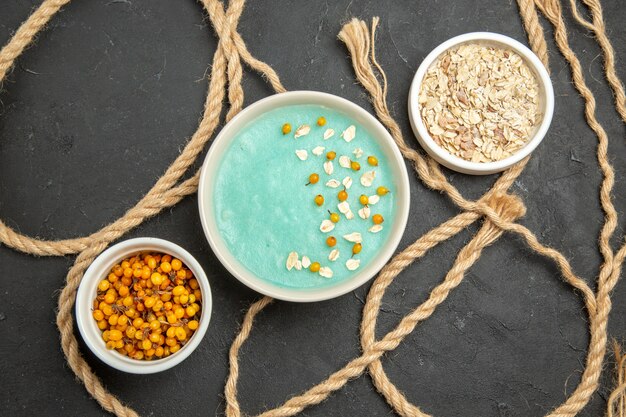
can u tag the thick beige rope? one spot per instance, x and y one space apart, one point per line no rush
498 209
616 404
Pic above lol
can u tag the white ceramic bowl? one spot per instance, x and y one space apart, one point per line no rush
546 103
88 289
221 144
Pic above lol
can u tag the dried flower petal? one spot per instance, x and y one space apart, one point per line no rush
302 154
347 182
344 161
349 215
326 272
333 183
368 178
373 199
291 260
376 228
302 131
343 207
364 213
328 167
354 237
306 262
349 133
298 265
327 226
328 134
353 264
333 255
358 152
318 150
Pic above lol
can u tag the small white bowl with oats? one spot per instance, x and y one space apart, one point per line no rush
480 103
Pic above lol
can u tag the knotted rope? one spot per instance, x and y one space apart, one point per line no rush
497 208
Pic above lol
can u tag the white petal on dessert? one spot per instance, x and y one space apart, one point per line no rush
291 260
368 178
354 237
373 199
364 213
333 255
327 226
349 215
302 131
302 154
318 150
306 262
326 272
299 265
349 133
376 228
333 183
343 207
328 167
344 161
353 264
328 134
347 182
358 152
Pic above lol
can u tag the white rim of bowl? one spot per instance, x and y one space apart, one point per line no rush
461 165
211 165
87 291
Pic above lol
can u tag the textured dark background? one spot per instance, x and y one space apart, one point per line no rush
100 106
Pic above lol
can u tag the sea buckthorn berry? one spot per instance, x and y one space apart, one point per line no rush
109 298
357 248
193 283
321 121
176 264
103 324
152 263
286 128
98 315
166 258
342 195
334 217
190 311
115 335
363 199
193 324
331 241
183 299
381 191
166 267
331 155
313 179
315 267
180 333
171 332
149 302
156 278
104 285
372 160
319 199
113 319
355 165
377 219
178 290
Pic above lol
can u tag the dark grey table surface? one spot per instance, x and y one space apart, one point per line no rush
100 106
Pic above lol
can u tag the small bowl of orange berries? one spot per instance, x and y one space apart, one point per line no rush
143 305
